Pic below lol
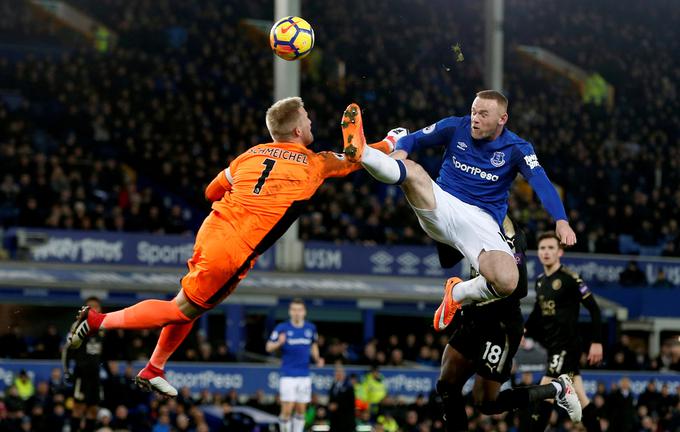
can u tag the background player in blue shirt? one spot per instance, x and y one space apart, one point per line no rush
297 340
464 208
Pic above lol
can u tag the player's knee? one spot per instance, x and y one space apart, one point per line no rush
501 273
415 174
505 283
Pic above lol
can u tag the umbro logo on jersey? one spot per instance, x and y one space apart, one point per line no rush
461 145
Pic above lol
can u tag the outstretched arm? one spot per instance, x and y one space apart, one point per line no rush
437 134
526 160
552 203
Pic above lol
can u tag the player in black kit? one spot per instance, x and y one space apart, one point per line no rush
484 341
87 389
554 323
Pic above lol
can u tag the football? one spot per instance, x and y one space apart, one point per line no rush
291 38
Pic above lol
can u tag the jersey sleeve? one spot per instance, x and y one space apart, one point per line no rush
588 301
437 134
524 157
582 287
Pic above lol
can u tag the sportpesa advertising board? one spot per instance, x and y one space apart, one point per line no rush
247 378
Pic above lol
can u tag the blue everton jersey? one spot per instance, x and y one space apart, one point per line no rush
480 172
296 351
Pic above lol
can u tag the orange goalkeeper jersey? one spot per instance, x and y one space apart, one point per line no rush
267 187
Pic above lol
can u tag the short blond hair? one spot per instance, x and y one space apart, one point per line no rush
283 117
499 97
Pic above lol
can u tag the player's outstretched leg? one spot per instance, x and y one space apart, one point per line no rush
147 314
562 390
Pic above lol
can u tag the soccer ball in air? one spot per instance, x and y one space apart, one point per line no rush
291 38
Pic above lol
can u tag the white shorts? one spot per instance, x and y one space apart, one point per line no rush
295 389
468 228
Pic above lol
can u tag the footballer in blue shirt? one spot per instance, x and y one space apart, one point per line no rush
297 340
464 208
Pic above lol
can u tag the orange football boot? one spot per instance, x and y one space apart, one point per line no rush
353 139
447 310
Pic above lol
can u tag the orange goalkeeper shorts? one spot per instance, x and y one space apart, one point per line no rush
221 259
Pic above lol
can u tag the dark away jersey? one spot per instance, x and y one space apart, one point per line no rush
87 357
556 312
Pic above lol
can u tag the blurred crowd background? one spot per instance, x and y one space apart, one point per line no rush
125 137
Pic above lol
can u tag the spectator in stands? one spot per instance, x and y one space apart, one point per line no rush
236 422
650 398
621 407
341 402
24 385
396 358
661 280
632 275
675 356
372 389
223 355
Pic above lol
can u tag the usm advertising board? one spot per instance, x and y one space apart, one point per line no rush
91 247
422 261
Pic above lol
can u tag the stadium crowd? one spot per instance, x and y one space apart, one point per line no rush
125 139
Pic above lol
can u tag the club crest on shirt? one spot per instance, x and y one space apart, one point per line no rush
430 128
308 333
556 284
498 159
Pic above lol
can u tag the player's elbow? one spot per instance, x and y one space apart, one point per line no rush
209 197
214 192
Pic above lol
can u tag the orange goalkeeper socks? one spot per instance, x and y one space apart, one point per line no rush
171 338
147 314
